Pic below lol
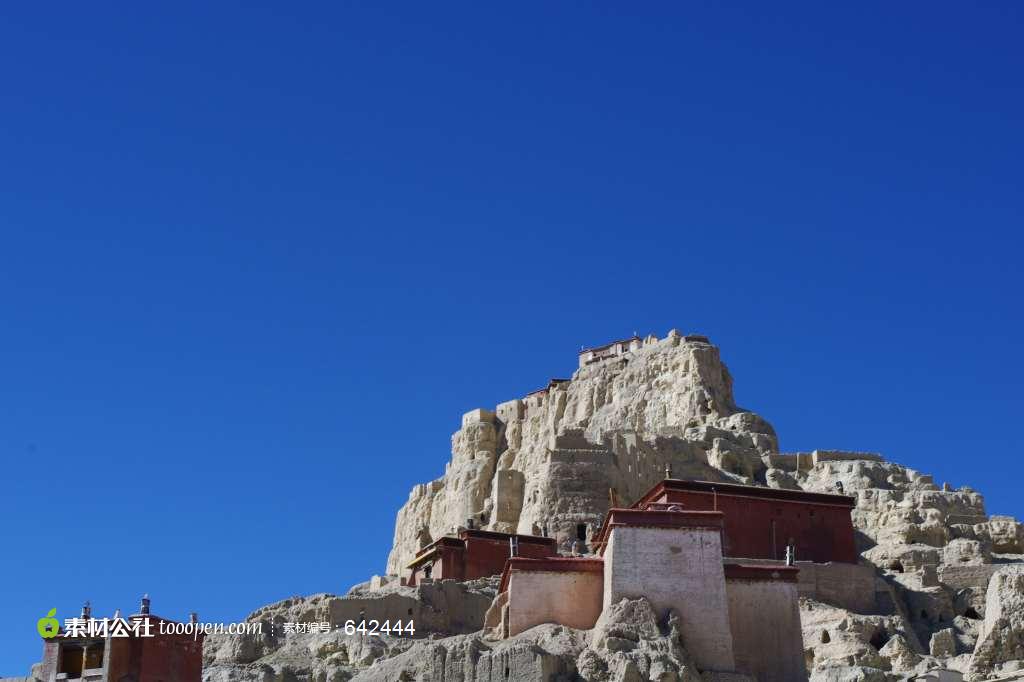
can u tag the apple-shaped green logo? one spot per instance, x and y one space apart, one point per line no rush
48 626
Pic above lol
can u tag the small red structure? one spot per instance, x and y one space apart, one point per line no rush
475 554
161 656
761 522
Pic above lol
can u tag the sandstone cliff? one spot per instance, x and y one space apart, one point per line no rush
549 460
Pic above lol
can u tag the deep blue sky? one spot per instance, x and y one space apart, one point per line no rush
257 261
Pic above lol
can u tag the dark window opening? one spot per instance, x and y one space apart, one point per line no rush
879 639
581 531
71 662
825 639
94 657
972 614
896 566
75 659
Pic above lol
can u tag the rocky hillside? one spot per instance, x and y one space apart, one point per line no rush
949 579
551 460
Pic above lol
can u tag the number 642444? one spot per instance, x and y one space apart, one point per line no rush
371 627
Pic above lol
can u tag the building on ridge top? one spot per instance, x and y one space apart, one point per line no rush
622 347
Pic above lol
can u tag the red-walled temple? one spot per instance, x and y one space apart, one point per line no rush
162 657
758 523
761 522
718 556
475 554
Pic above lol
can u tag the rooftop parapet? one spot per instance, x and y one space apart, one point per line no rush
555 564
463 535
656 518
752 491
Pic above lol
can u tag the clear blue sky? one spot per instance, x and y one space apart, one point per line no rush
257 261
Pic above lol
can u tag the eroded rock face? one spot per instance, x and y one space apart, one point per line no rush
1007 535
550 460
835 638
897 506
628 643
546 652
1001 636
445 608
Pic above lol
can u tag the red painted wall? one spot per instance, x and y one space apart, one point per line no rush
163 658
759 528
482 553
487 556
446 565
169 658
